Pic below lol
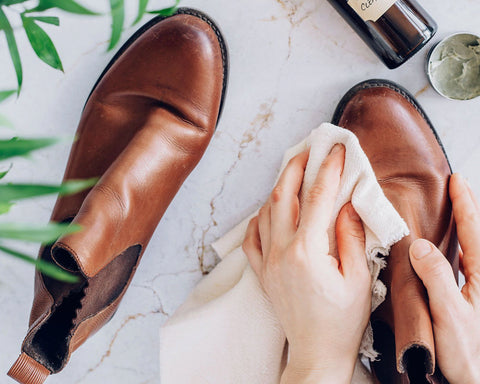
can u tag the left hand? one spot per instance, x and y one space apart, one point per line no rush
455 312
323 305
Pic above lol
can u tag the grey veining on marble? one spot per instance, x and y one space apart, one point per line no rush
291 62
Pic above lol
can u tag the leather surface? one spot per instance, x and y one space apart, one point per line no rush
144 128
27 371
413 171
154 128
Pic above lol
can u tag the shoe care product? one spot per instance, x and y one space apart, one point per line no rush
453 66
394 29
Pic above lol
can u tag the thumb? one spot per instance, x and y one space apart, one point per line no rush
436 274
351 244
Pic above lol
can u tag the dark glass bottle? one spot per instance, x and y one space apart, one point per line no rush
394 30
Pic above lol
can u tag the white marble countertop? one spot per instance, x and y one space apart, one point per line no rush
291 62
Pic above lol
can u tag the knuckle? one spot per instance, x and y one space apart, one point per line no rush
438 270
277 194
293 161
357 233
297 160
316 192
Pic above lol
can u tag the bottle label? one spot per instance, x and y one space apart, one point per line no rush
371 9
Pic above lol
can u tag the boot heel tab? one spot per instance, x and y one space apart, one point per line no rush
28 371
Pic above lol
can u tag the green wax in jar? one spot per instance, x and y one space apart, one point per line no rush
455 67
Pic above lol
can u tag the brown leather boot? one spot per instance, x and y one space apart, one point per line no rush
413 170
145 126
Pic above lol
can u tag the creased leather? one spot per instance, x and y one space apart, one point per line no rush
144 128
413 171
165 119
137 188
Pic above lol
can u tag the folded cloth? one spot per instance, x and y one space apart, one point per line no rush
227 330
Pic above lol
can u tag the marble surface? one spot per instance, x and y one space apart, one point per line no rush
291 62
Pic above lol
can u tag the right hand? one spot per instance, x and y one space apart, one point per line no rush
323 303
455 313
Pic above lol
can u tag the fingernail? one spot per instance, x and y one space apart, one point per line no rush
336 148
421 248
353 213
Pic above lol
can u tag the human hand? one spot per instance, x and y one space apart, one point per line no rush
323 304
455 313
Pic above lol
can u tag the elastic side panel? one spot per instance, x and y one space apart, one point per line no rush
50 344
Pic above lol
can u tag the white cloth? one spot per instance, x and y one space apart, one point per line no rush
227 330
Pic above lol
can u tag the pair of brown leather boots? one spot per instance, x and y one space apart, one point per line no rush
144 128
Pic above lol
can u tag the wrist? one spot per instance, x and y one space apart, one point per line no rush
292 375
306 372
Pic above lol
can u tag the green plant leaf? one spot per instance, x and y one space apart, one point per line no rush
13 192
45 267
41 43
22 147
12 47
11 2
142 8
45 234
167 11
65 5
6 94
4 173
47 19
117 11
5 207
71 187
